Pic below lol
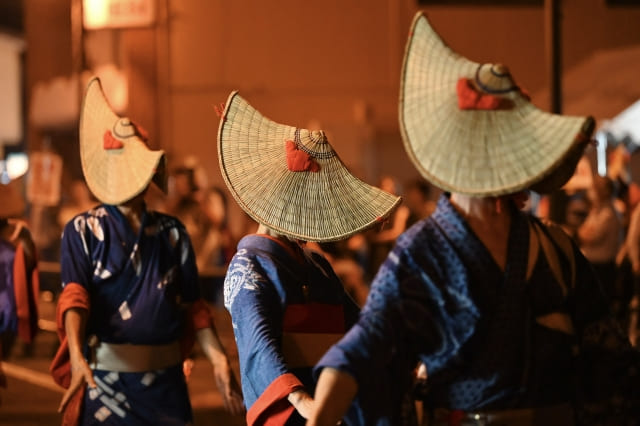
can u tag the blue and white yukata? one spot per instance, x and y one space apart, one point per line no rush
139 288
277 293
440 298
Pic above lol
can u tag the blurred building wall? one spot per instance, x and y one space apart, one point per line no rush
11 88
332 64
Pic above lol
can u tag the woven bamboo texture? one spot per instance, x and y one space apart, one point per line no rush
475 152
327 205
117 175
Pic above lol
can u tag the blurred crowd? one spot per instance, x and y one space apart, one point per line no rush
600 213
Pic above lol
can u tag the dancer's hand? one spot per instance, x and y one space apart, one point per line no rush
228 387
80 375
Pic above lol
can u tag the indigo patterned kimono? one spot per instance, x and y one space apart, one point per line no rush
139 286
287 307
440 298
8 311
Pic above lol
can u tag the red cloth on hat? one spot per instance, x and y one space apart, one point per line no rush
300 161
470 98
110 142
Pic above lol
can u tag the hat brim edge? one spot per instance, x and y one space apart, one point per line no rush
586 129
93 187
256 217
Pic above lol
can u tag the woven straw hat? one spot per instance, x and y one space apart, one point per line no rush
292 180
11 200
508 146
116 161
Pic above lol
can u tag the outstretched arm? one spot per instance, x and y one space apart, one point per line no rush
75 321
334 392
225 380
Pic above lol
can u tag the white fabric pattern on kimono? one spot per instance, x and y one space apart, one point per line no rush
112 400
79 224
101 271
241 275
135 259
168 277
125 313
95 227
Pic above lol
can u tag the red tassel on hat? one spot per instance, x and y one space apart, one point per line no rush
300 161
470 98
220 110
109 142
140 131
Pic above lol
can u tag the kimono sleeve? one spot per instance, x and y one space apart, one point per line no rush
375 351
256 314
75 257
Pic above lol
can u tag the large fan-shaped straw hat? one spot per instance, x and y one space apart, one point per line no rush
291 179
468 128
116 161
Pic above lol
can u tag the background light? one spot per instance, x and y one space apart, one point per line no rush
16 165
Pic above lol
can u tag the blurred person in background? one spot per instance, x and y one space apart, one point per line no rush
601 234
286 303
416 196
130 308
504 312
381 241
19 282
346 266
619 172
568 206
217 246
629 257
183 201
576 211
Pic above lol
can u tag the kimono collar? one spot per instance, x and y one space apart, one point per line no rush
462 237
115 212
263 241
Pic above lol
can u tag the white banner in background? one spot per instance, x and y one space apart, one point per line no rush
45 175
117 13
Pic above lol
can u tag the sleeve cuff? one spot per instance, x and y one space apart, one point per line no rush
272 407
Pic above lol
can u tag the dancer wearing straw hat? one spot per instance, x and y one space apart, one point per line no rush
492 302
19 281
130 306
286 303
